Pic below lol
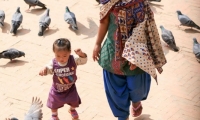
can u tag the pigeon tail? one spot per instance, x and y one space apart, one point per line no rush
176 49
197 27
98 1
74 28
14 28
1 56
41 5
67 9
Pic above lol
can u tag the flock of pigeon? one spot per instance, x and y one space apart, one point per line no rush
168 37
44 23
34 112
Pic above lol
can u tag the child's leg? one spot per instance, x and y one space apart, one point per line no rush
73 113
54 114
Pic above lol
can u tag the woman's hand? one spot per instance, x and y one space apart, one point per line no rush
132 66
96 52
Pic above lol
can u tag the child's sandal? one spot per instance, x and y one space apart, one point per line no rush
54 117
135 110
74 114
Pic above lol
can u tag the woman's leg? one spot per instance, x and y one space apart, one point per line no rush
117 94
139 86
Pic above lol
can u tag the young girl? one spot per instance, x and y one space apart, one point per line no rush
63 67
129 54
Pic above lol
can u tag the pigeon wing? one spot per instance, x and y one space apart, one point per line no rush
35 111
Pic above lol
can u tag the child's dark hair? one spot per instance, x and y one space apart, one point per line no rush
62 44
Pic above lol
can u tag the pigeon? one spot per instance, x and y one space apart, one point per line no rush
16 21
34 3
11 54
70 18
2 17
186 21
154 0
35 111
196 49
168 37
44 23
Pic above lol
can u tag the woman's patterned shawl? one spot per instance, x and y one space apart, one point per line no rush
126 10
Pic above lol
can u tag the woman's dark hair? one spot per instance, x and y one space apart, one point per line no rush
62 44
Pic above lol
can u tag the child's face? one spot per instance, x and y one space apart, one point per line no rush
62 56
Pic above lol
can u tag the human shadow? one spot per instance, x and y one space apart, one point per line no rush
191 30
37 11
14 63
50 32
154 6
143 117
22 31
6 28
89 32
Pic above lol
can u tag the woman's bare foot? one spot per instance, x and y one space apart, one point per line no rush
136 109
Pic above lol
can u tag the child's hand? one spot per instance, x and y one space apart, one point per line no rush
132 66
43 72
80 53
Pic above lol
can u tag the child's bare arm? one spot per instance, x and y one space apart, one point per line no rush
82 57
47 70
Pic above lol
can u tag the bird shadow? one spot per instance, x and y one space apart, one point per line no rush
6 28
14 63
143 117
22 31
189 30
154 6
50 32
89 32
37 11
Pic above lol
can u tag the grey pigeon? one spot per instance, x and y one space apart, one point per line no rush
196 49
35 111
11 54
44 23
34 3
2 17
186 21
70 18
16 21
168 37
154 0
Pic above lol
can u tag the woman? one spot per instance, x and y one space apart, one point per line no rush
128 56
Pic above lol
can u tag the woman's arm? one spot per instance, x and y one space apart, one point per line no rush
103 28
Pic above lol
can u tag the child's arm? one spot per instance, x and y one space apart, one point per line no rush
48 69
81 58
103 28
